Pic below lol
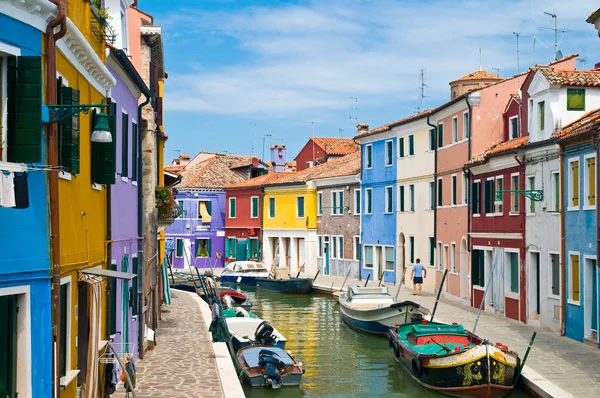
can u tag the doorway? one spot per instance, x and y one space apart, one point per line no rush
187 253
590 304
401 275
464 271
8 345
326 255
535 296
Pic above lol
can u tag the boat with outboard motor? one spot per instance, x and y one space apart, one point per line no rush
244 272
291 285
374 310
247 331
267 366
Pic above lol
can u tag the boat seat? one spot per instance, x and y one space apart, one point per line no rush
429 329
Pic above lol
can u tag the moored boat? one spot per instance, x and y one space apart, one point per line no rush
236 296
292 285
453 361
261 366
247 331
243 272
373 310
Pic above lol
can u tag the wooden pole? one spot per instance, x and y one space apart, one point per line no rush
347 275
438 294
367 281
300 270
401 280
317 274
524 359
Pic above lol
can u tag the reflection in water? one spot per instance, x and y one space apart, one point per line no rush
339 361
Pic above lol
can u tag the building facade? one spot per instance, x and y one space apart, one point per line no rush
319 150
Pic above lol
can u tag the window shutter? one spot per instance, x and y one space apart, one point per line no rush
227 248
411 145
248 249
475 267
124 144
390 153
439 192
402 147
209 246
134 151
453 190
69 131
402 198
134 288
113 301
209 207
432 139
104 153
440 135
24 109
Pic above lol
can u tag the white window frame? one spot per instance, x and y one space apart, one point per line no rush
233 201
528 202
569 286
411 198
556 202
439 254
67 280
530 110
365 256
455 129
388 203
196 248
198 215
357 195
175 248
356 239
384 262
570 206
335 210
515 195
391 159
586 178
464 189
493 209
303 206
309 164
320 246
510 127
368 150
437 133
257 206
368 198
437 192
550 294
432 196
319 204
414 145
453 194
539 116
500 202
478 214
453 257
271 207
466 125
507 292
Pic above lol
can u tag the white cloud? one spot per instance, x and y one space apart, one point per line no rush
298 59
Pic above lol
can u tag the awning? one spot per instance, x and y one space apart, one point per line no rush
108 273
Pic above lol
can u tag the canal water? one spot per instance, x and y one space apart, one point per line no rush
339 361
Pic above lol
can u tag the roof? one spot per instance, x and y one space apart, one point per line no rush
593 16
125 63
584 78
176 169
214 172
389 126
258 182
336 146
247 162
154 34
479 75
584 124
500 148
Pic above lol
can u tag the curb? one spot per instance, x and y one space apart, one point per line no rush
232 388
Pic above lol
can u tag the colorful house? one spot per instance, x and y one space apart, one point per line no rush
320 150
199 233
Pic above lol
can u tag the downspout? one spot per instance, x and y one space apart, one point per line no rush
563 282
597 148
262 218
523 216
52 137
435 195
359 179
470 129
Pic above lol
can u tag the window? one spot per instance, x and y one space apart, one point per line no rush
431 251
334 247
432 139
368 256
454 129
300 207
489 196
357 248
309 164
271 207
389 258
124 144
498 209
466 125
320 240
369 201
357 201
320 203
205 210
514 197
573 183
368 156
411 145
454 190
440 135
337 200
181 209
531 183
513 127
230 247
453 256
590 181
401 147
253 249
341 247
478 268
389 200
574 286
65 336
476 197
555 274
232 209
389 153
530 111
431 195
542 114
401 197
464 186
513 270
179 248
411 240
439 192
411 197
254 207
576 99
134 154
69 150
556 191
439 250
134 286
202 247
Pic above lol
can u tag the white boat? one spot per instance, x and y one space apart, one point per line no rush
244 272
374 310
247 331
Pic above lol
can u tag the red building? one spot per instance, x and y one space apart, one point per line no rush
319 150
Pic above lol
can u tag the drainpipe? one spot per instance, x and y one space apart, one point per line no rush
469 106
262 218
522 215
597 148
358 178
563 282
435 195
52 137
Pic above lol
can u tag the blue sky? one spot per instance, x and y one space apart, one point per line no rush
240 69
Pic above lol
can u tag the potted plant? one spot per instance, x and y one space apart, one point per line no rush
165 202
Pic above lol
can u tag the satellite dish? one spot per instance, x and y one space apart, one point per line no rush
559 55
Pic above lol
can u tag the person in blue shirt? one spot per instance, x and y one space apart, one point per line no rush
418 273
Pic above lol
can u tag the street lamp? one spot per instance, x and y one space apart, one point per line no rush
101 131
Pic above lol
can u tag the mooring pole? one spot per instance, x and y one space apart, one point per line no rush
438 294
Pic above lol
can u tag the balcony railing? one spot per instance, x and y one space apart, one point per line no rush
100 26
169 218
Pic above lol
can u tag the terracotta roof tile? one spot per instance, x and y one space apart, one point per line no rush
499 148
257 182
479 75
389 126
584 78
593 16
336 146
587 122
214 172
176 169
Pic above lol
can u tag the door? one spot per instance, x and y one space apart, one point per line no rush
187 253
8 345
497 289
326 255
464 272
241 252
401 260
536 273
594 300
83 329
590 303
301 257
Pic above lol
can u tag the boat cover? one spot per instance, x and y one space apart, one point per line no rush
430 329
251 355
358 290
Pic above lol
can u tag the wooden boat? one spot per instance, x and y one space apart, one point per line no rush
244 272
453 361
247 331
263 366
373 310
236 296
292 285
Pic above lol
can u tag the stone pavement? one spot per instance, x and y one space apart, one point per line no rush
182 364
570 365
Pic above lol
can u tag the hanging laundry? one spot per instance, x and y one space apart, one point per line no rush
7 190
21 191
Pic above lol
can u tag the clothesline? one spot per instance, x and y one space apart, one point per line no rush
21 167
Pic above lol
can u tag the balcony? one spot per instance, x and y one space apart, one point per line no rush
165 220
99 25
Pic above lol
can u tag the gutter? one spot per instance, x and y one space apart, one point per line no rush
597 149
563 272
523 217
435 175
469 219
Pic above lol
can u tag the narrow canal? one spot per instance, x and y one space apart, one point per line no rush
339 361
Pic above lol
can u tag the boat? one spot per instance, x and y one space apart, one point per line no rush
292 285
374 310
244 272
453 361
247 331
264 366
236 296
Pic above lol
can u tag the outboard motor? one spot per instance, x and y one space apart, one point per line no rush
416 317
264 334
227 302
273 365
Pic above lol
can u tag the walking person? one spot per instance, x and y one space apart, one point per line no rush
417 274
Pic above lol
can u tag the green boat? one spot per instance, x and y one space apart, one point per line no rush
237 312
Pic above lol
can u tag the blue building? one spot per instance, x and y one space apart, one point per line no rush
579 254
25 310
378 190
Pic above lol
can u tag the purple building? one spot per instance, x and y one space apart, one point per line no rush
124 205
199 233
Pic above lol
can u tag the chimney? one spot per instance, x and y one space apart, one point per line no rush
362 129
278 157
597 66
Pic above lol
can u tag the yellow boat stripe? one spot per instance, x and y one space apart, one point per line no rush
454 364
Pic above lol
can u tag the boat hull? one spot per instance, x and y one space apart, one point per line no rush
295 285
377 321
254 375
239 280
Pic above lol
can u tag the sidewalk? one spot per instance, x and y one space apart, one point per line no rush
570 365
182 364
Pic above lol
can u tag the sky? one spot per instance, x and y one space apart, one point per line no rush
247 72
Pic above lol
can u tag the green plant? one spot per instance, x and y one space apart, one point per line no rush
165 202
101 11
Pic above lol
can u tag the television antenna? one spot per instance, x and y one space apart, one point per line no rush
582 61
422 88
355 111
497 70
557 53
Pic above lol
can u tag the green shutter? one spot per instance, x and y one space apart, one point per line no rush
439 192
8 345
514 272
475 276
453 190
412 249
232 205
179 252
432 139
249 249
431 251
124 144
24 109
411 145
69 146
209 207
134 287
134 150
209 247
401 198
487 200
390 152
440 135
402 147
227 248
104 153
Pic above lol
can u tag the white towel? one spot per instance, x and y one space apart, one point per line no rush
7 190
